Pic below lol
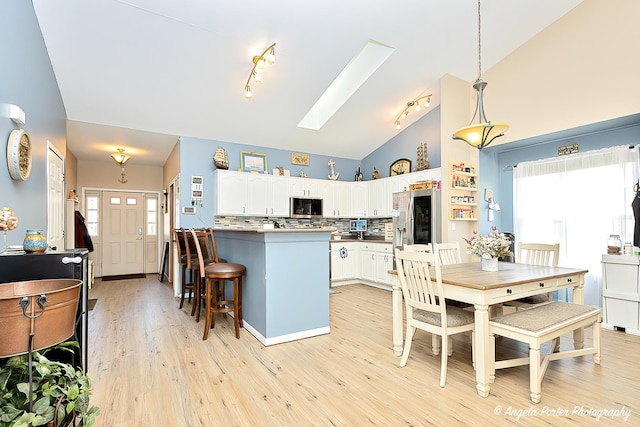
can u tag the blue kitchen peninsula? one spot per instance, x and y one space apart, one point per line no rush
285 292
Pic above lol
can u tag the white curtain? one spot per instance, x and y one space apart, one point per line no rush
578 201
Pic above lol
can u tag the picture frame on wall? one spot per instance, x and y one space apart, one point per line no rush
253 162
300 159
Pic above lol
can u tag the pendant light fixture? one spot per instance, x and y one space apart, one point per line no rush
121 158
483 133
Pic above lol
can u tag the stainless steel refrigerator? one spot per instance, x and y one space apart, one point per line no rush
417 217
71 264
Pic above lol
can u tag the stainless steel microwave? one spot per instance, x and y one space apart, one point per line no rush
301 207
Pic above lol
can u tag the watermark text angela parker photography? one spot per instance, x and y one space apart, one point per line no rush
580 411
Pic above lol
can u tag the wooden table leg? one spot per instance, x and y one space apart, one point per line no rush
482 350
578 334
396 302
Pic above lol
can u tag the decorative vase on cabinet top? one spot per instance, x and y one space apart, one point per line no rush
34 241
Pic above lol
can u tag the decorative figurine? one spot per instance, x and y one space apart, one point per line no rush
333 175
376 174
303 174
221 159
422 157
358 175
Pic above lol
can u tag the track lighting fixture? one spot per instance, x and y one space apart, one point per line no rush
415 104
259 63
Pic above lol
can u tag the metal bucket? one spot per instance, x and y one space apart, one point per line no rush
47 308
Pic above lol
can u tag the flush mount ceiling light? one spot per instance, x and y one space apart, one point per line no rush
120 158
415 104
370 57
259 62
484 132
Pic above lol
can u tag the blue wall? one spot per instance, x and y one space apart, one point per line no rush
196 158
496 163
405 145
28 81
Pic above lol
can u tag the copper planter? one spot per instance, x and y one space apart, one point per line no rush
47 308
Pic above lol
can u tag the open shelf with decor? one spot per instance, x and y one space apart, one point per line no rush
462 192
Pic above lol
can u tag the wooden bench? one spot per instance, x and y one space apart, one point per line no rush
538 325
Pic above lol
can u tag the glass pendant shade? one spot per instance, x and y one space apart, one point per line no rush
119 157
482 134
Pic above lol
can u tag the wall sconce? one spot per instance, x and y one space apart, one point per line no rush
259 62
493 207
415 104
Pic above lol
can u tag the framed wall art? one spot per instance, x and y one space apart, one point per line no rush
253 162
300 159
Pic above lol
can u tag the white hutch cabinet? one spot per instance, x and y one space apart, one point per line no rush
621 292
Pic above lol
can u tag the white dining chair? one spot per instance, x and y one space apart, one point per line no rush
536 254
425 309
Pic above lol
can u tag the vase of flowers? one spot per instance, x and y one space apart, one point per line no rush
489 248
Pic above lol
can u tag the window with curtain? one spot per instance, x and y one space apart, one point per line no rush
577 201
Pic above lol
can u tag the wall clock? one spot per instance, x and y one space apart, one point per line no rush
19 155
399 167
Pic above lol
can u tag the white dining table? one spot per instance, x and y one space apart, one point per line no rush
466 282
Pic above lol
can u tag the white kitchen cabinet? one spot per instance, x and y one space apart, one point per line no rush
305 187
621 292
335 199
367 264
230 190
344 260
380 199
359 198
384 263
267 195
248 194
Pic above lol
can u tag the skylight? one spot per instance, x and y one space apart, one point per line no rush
358 70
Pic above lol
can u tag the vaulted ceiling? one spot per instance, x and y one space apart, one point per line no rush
139 73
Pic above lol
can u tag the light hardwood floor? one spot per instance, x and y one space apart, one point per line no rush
151 368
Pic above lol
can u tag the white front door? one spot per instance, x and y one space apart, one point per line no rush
122 237
55 198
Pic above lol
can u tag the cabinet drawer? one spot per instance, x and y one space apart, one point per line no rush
621 313
620 278
377 247
565 282
512 293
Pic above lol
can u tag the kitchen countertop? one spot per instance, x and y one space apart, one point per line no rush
376 239
276 230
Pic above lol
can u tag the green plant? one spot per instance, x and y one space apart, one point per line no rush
60 392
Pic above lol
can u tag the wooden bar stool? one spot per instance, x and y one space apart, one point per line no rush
204 238
214 275
185 286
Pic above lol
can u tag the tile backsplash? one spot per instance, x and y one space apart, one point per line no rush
375 226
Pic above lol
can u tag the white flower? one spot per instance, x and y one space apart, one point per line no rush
492 245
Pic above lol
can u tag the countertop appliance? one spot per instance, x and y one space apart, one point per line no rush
417 217
71 264
301 207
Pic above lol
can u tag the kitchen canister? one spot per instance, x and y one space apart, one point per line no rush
614 244
34 241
